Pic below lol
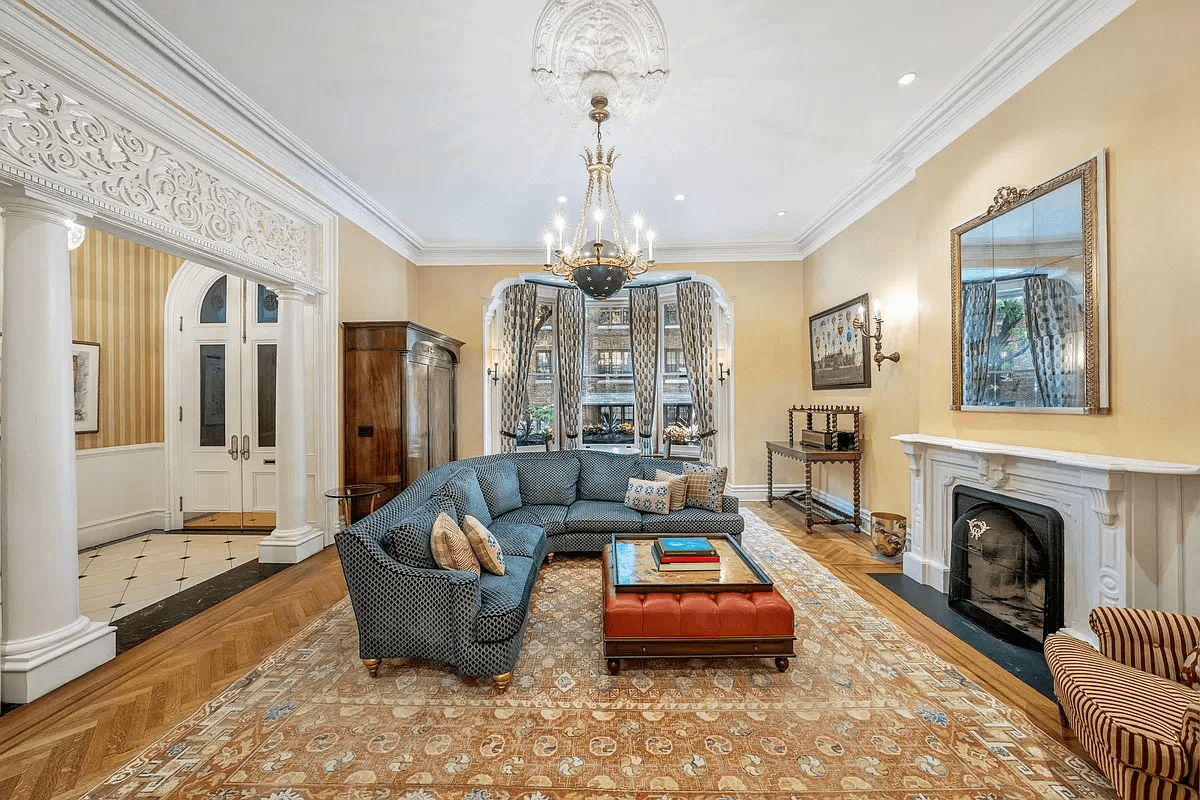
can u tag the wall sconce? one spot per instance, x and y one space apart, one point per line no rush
494 372
877 337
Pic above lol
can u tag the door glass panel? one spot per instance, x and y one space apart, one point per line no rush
212 394
266 394
213 307
268 305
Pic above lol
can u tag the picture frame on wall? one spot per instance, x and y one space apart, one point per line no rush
839 354
85 367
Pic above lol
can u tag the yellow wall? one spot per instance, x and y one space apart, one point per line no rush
1129 89
767 357
118 292
375 284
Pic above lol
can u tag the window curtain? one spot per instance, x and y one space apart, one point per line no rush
696 327
978 315
569 341
643 333
1052 318
520 316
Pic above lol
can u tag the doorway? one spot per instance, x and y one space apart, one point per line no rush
227 343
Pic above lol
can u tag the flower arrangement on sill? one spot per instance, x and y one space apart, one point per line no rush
681 434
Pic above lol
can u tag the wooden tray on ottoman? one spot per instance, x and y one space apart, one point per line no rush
692 614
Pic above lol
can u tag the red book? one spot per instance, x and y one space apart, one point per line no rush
688 559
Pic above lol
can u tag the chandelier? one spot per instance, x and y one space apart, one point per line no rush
599 258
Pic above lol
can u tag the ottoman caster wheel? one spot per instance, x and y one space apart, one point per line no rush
614 666
781 664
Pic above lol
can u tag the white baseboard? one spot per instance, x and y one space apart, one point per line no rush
119 527
121 492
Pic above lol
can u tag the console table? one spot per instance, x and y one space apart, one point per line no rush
815 511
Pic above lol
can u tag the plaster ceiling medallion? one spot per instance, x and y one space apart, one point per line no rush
615 48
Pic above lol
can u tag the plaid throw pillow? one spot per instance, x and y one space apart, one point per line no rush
486 548
705 487
652 497
451 549
678 486
1189 675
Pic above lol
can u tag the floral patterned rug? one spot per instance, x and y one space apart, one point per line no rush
864 710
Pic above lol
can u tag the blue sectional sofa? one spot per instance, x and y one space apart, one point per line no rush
536 505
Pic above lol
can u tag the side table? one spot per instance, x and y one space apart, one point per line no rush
346 495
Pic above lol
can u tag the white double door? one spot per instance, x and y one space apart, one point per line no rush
227 405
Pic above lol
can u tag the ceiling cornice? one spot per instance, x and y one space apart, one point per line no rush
1045 33
474 254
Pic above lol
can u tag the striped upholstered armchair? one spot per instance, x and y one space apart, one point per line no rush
1132 705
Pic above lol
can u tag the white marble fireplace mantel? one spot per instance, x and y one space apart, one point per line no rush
1131 527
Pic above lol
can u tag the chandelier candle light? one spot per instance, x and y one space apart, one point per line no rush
599 267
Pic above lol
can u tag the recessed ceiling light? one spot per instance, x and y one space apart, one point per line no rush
781 213
680 197
562 199
907 78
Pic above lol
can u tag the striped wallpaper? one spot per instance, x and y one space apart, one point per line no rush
118 293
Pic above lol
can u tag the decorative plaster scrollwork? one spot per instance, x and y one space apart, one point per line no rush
1110 588
577 44
58 139
992 471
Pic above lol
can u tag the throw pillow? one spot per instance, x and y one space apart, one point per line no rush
498 481
486 548
548 480
1189 675
408 541
451 549
604 476
706 487
650 496
678 486
463 490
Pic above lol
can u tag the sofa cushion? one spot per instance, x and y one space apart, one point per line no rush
604 476
653 497
451 548
551 519
706 486
693 520
487 549
677 487
504 600
1139 728
463 490
408 540
548 481
1189 673
602 516
651 466
498 481
517 539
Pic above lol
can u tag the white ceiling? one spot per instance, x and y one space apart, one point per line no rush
429 105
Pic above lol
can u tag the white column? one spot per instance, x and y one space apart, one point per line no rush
293 539
44 641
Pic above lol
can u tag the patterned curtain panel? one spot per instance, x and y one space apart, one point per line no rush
696 327
569 333
643 331
1054 321
520 315
979 312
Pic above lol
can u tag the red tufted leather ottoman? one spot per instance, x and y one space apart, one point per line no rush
716 624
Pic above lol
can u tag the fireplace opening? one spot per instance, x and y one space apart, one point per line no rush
1006 570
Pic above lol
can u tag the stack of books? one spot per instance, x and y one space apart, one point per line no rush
683 554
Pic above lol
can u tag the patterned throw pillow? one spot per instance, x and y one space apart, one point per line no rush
678 485
548 480
498 481
486 548
408 541
650 496
463 490
1189 675
706 487
450 547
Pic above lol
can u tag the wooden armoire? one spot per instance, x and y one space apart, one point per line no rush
401 402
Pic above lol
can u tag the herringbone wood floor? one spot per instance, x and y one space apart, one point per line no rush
62 744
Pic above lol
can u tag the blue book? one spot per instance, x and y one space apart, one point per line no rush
685 546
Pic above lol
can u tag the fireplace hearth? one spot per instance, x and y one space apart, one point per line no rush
1006 565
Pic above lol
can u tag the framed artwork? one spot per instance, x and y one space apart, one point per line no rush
85 365
840 357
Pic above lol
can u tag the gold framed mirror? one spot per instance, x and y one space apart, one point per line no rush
1029 299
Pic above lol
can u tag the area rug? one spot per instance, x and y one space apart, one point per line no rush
864 711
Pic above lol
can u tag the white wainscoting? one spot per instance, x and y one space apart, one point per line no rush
121 492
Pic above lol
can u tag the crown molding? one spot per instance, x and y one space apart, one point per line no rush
1043 35
122 31
472 254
